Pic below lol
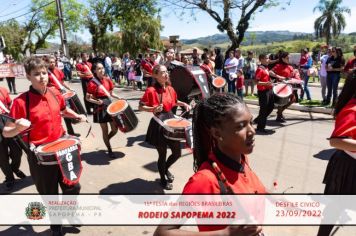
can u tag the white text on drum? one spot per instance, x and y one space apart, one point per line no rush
69 158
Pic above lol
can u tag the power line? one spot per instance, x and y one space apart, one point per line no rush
16 11
6 7
45 5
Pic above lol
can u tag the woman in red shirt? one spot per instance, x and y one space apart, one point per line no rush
101 98
223 136
341 170
160 99
283 71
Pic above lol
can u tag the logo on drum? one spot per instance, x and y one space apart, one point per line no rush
35 211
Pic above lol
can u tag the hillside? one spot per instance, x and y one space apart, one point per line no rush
251 37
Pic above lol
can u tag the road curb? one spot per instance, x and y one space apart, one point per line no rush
298 107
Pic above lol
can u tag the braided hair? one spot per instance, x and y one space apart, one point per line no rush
348 92
209 113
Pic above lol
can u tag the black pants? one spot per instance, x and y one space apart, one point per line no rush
87 104
265 99
11 84
163 164
9 149
69 126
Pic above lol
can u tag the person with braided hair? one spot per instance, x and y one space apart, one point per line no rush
223 135
341 170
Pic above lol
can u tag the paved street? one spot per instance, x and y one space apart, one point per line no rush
295 156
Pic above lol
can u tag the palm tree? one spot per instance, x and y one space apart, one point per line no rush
332 20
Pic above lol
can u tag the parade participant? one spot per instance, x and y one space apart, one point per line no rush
10 80
56 80
265 94
195 57
41 107
84 70
223 136
283 71
9 149
160 99
230 67
334 66
340 172
208 71
100 90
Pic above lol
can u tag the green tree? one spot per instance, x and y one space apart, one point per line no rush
332 20
222 11
14 35
43 22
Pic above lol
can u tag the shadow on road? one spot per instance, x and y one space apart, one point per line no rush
140 139
151 166
135 186
19 184
325 154
100 157
22 230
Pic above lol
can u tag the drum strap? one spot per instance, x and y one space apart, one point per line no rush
101 86
61 87
225 188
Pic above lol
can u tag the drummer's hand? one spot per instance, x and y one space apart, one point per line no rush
158 109
22 124
246 230
100 102
187 107
82 118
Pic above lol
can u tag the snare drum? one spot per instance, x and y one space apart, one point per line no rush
64 152
282 94
295 83
174 128
123 115
219 82
74 103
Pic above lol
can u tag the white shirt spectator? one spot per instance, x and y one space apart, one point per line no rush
233 63
323 60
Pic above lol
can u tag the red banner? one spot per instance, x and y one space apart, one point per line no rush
12 70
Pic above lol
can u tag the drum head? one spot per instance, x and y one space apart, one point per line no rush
56 146
219 82
117 107
177 123
282 90
68 94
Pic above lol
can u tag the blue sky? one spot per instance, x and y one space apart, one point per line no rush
297 17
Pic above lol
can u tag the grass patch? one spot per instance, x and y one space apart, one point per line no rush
252 97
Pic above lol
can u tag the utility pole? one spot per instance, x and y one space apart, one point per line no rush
61 28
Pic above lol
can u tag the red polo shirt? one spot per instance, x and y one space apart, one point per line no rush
284 70
345 122
84 67
5 98
58 74
94 89
44 115
148 65
262 75
155 94
240 177
350 64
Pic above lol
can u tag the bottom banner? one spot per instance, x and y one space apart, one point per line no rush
178 209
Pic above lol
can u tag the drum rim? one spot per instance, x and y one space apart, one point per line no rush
117 112
285 96
165 123
72 93
172 138
40 152
220 77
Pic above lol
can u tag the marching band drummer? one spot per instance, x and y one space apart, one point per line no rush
283 71
160 99
9 149
265 94
41 107
99 91
56 76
